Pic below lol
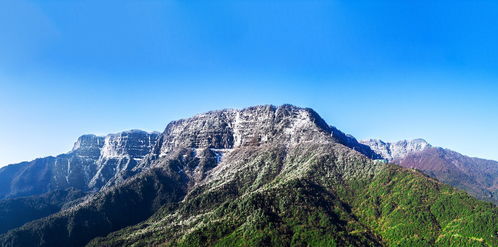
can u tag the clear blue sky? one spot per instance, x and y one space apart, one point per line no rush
376 69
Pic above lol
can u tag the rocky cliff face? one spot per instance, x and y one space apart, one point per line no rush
93 162
397 150
217 133
252 126
225 130
119 154
88 146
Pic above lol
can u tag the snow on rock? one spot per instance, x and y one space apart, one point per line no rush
253 126
134 143
397 150
88 146
120 153
93 162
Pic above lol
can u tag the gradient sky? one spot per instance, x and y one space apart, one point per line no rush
375 69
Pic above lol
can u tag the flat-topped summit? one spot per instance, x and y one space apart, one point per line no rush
135 143
230 128
93 162
88 145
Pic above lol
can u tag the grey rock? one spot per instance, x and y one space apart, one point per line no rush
94 162
217 133
120 153
397 150
251 126
88 146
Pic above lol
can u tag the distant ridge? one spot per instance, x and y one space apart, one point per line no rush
94 162
260 176
479 177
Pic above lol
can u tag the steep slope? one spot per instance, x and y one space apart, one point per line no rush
18 211
184 153
264 176
94 162
267 195
107 211
315 195
478 177
408 209
36 189
351 142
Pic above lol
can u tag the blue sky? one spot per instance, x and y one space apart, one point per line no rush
375 69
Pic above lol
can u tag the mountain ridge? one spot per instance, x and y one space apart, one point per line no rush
479 177
91 155
279 168
396 150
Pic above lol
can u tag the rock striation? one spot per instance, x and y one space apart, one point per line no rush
94 162
224 130
396 150
251 126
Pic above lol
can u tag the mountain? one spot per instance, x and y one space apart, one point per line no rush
265 176
94 162
36 189
479 177
351 142
397 150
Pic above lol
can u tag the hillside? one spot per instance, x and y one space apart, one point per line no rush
478 177
316 196
265 176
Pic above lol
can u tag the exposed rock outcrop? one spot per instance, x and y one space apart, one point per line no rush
94 162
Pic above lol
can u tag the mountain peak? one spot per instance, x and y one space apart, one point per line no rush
418 141
88 145
396 150
230 128
136 143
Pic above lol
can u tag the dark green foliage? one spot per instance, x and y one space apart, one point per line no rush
334 203
109 212
16 212
308 195
408 209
